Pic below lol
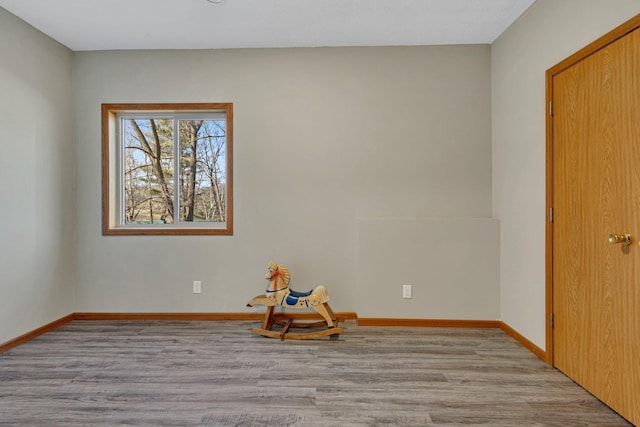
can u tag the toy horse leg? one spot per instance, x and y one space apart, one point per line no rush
333 316
267 322
325 311
261 300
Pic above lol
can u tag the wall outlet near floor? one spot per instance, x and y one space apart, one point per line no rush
406 291
197 287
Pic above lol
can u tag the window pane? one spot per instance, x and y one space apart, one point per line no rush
148 171
202 170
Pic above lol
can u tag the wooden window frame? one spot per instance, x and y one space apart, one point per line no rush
110 192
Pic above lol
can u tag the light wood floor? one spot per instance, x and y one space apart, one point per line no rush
111 373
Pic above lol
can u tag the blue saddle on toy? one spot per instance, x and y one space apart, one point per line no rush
293 297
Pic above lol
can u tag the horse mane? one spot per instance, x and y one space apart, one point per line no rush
286 276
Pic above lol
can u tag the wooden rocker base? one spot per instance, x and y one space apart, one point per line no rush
287 321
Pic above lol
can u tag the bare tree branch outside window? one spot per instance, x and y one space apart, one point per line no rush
149 171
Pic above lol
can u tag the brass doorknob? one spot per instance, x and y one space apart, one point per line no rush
625 238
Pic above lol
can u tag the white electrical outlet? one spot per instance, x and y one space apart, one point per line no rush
406 291
197 287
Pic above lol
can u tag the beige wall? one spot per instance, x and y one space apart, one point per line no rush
36 179
451 264
322 136
550 31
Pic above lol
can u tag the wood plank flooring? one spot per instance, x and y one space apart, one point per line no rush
199 373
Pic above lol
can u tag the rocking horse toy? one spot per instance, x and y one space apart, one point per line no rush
279 293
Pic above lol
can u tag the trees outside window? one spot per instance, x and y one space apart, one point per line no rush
172 169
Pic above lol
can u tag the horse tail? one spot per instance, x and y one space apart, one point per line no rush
321 294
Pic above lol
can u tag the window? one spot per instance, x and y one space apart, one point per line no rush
167 169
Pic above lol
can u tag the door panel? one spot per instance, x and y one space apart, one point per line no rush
596 192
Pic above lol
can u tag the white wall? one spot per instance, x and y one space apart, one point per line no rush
547 33
322 137
36 179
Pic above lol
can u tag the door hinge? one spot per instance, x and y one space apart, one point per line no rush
551 108
551 320
550 214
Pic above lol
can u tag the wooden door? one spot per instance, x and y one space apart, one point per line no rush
596 193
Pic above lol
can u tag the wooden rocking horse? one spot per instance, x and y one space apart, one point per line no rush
279 293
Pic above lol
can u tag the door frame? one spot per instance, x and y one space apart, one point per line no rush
615 34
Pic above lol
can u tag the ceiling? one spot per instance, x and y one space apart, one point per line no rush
213 24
